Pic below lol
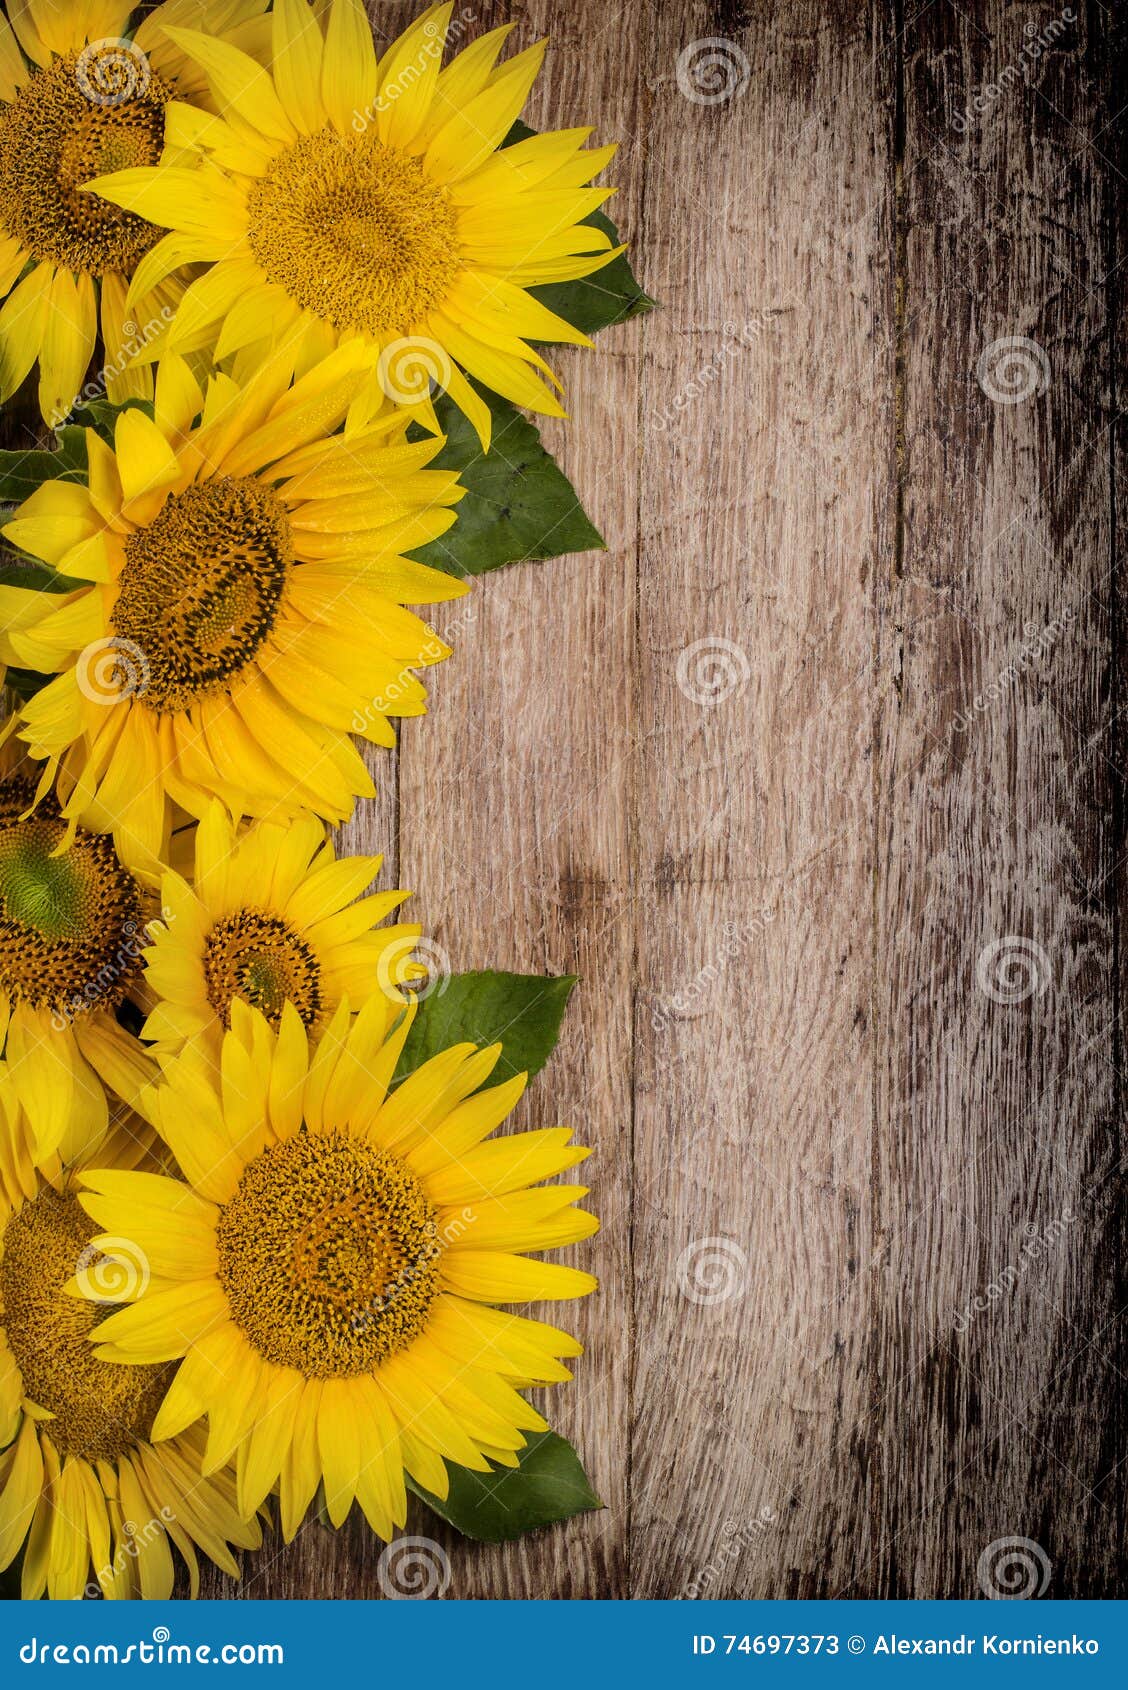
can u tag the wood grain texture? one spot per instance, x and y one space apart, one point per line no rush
815 777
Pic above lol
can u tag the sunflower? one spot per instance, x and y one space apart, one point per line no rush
328 1269
71 937
341 198
80 1479
269 918
237 607
78 99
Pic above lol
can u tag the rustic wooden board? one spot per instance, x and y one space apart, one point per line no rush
835 714
997 1097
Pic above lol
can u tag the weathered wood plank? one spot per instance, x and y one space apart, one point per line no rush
515 815
767 454
997 1102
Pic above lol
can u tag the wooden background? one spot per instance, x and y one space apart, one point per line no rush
781 901
815 778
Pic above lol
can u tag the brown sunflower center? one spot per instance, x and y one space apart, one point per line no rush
101 1408
328 1254
60 131
258 957
202 586
355 232
71 926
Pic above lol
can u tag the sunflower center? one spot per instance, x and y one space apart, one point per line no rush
201 588
53 138
258 957
355 232
328 1254
70 925
101 1408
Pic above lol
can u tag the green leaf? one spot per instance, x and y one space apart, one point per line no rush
611 295
33 577
102 414
549 1484
22 472
521 1011
519 507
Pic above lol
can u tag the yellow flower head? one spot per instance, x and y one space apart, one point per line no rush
270 918
326 1271
77 99
341 196
97 1503
71 940
237 608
